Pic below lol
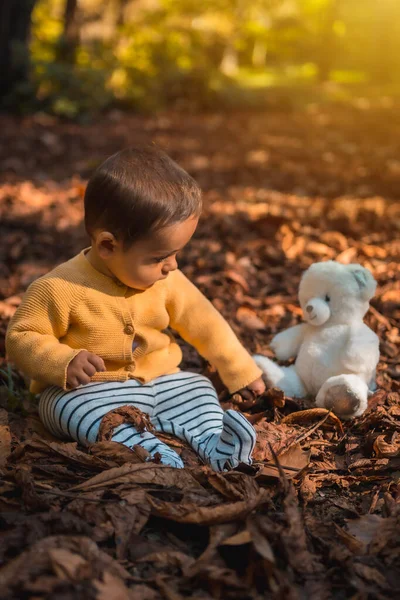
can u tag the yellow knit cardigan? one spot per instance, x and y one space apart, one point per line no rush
75 307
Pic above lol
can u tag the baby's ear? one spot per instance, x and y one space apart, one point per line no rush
365 281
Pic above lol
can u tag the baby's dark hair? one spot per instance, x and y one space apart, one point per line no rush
136 192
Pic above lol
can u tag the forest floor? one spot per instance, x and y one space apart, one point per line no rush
282 190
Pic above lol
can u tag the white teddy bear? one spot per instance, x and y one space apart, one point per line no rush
336 352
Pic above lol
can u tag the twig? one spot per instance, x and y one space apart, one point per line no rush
305 435
278 465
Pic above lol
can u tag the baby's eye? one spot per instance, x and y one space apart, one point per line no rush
327 298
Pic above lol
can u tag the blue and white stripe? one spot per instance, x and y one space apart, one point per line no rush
183 404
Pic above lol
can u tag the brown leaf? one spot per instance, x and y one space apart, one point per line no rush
258 530
238 539
365 528
275 396
371 575
206 515
66 450
351 542
168 558
68 565
126 521
5 437
320 250
376 399
111 588
347 256
147 473
243 403
234 484
237 278
294 536
387 449
277 435
118 454
249 319
24 478
304 417
292 461
37 559
225 487
7 310
123 414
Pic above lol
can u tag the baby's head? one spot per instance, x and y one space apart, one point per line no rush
141 209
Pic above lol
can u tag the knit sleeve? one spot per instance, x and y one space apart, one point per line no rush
34 333
200 324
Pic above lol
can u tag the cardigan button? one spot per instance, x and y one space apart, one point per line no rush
128 330
129 368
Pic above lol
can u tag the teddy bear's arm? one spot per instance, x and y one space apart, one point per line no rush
286 344
361 354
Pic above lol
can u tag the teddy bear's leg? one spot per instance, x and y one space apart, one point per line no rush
346 395
284 378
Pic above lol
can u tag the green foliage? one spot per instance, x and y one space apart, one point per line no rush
12 392
158 53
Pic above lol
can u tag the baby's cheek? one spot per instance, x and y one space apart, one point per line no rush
149 273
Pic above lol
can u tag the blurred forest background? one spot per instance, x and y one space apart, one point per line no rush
74 58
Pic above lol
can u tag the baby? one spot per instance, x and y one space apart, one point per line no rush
92 334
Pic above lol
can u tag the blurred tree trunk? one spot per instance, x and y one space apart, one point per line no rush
230 59
69 40
385 34
259 54
326 50
15 23
121 6
230 62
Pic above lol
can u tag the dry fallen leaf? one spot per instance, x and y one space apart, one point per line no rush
69 565
249 319
292 461
5 437
387 446
111 588
123 414
305 417
279 436
147 473
207 515
118 454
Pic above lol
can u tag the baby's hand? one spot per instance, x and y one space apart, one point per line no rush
83 367
253 390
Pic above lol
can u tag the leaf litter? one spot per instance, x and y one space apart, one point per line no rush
317 514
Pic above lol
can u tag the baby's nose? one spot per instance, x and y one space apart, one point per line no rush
170 265
309 308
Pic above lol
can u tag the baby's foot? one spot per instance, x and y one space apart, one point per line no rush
171 459
235 444
130 437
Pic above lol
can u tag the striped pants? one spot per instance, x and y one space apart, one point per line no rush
183 404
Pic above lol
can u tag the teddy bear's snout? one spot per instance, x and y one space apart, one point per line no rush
316 311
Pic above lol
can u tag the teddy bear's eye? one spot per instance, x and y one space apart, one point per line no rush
327 298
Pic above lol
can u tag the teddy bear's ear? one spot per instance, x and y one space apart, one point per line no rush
365 281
